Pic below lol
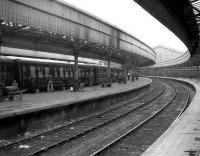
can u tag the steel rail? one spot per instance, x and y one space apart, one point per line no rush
44 149
2 148
90 129
144 122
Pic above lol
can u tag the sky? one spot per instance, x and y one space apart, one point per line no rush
130 17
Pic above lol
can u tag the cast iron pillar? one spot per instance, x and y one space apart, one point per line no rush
137 73
133 72
1 42
76 65
76 54
108 70
124 72
197 72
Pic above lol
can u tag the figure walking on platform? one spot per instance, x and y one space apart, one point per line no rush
128 76
50 84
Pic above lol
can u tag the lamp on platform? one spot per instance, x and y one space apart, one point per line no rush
1 94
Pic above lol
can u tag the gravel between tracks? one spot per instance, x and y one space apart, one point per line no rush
136 143
82 145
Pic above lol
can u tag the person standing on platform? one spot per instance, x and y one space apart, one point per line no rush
50 83
128 76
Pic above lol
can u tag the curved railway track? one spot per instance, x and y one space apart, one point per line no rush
106 136
136 142
46 140
93 134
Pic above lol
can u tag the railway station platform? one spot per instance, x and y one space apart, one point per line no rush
42 101
182 138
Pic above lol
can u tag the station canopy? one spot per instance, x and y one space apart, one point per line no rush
181 16
57 27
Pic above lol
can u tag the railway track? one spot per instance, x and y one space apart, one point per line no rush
44 141
96 141
136 142
92 135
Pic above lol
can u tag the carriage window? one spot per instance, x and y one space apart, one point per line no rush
88 72
24 72
104 71
61 72
40 72
79 72
3 72
66 72
82 73
55 72
7 74
46 69
32 71
24 69
99 71
70 72
91 73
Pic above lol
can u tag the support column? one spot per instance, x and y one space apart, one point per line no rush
108 71
76 66
76 83
133 72
124 72
136 70
1 94
197 72
20 76
137 73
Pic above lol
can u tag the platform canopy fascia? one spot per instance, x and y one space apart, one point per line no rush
179 16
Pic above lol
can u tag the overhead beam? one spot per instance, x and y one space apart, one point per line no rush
174 16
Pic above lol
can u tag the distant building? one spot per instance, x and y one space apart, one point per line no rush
165 54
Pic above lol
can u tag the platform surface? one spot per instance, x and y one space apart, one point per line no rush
42 101
182 138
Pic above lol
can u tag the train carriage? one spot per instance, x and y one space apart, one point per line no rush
32 73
